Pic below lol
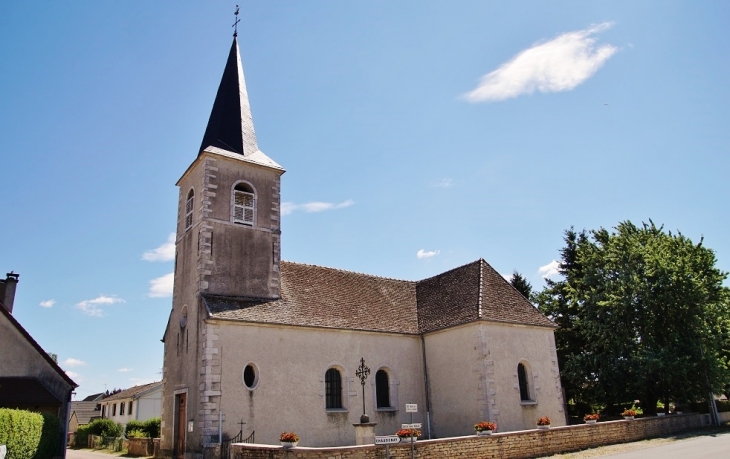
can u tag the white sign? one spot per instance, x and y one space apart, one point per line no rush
411 408
416 425
386 440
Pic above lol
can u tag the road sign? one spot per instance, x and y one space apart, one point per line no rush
416 425
386 440
411 408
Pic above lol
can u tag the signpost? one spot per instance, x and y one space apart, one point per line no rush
411 408
386 440
414 425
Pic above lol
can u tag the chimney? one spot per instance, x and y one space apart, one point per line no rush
7 290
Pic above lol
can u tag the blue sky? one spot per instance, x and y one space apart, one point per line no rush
417 136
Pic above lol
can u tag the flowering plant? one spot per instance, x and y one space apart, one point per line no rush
591 417
290 437
482 426
543 421
629 412
405 433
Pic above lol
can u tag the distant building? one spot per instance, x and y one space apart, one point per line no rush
83 413
29 378
276 345
139 403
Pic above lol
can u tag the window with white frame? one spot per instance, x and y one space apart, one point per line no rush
121 409
130 407
189 209
244 204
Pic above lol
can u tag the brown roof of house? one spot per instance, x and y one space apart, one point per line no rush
326 297
133 392
85 411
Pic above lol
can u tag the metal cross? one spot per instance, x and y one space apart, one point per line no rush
235 24
362 373
241 424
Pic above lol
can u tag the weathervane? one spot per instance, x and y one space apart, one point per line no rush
235 24
362 373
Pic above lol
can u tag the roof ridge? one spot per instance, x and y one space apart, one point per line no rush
451 270
349 271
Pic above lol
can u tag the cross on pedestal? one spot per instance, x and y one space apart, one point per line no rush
362 373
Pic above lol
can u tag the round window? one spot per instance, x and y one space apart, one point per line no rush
250 376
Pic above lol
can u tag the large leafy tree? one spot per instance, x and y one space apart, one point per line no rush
643 314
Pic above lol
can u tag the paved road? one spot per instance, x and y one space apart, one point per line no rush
714 446
81 454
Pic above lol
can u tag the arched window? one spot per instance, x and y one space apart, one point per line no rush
189 210
333 389
244 204
382 389
523 377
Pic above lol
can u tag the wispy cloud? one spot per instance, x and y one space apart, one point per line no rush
92 307
443 183
427 253
74 375
124 370
550 270
165 252
315 206
47 303
162 286
71 362
557 65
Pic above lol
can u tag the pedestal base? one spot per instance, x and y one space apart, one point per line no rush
365 433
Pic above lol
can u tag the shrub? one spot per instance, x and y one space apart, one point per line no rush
136 434
82 436
29 435
134 425
152 427
105 428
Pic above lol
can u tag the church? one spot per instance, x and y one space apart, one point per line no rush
262 345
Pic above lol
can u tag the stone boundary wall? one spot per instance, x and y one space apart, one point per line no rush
140 447
510 445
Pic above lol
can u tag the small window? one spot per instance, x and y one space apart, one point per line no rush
130 407
523 377
103 411
121 409
250 376
333 389
189 210
382 389
114 409
244 204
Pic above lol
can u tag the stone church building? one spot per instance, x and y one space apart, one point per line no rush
276 344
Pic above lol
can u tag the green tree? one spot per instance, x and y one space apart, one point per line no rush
519 282
643 315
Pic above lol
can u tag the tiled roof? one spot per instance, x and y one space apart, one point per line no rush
327 297
85 411
133 392
332 298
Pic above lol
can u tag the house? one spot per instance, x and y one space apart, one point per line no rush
29 378
258 344
139 403
83 413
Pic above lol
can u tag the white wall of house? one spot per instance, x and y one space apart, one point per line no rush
147 406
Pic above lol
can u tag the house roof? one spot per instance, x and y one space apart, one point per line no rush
326 297
38 348
85 411
134 392
230 125
25 391
94 397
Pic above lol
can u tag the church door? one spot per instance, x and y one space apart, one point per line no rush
180 404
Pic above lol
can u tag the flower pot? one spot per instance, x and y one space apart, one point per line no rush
289 444
484 433
545 427
628 418
408 439
590 421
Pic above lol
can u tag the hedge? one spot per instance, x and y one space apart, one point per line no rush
150 427
29 435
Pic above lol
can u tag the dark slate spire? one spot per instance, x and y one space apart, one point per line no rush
230 125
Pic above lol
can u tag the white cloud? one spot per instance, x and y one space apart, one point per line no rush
91 307
47 303
314 206
162 286
73 375
557 65
124 370
165 252
443 183
550 270
71 362
427 254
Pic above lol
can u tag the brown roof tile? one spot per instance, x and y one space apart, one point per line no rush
133 392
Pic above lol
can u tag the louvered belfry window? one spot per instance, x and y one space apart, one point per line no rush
189 210
244 204
333 389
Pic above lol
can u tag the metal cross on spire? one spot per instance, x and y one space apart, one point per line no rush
362 373
235 24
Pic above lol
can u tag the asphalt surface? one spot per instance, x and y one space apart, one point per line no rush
711 446
81 454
